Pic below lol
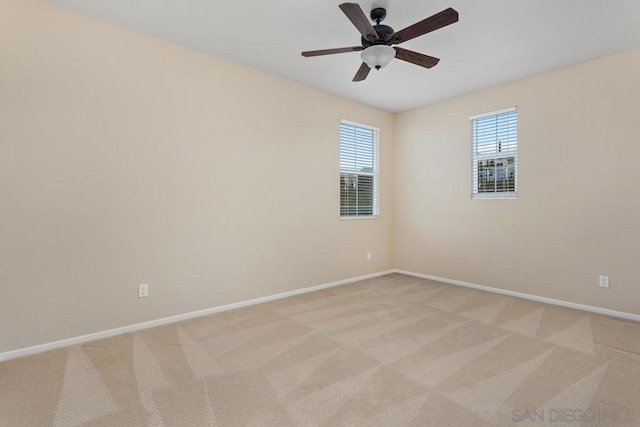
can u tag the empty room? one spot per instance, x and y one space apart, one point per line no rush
383 213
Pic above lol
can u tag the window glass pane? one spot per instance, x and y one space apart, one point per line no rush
496 175
495 148
358 170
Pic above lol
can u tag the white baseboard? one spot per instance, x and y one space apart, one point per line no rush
589 308
173 319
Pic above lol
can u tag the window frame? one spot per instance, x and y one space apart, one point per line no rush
475 157
375 173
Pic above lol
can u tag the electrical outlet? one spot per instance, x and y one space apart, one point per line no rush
143 290
604 281
369 256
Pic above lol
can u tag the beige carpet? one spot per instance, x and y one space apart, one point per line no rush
391 351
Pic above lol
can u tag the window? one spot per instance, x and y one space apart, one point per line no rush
495 155
358 170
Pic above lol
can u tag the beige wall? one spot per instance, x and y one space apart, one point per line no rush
578 211
127 160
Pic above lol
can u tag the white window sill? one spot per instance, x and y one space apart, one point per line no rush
494 196
358 217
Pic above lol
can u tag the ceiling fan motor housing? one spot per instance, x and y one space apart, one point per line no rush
384 33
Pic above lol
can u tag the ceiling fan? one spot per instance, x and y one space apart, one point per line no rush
377 40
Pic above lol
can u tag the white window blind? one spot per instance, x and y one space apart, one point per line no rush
495 155
358 170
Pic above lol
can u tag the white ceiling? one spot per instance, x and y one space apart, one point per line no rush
496 41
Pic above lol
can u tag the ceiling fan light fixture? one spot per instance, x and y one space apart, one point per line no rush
378 56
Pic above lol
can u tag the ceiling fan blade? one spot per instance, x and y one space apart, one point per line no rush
362 73
332 51
416 58
439 20
356 15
